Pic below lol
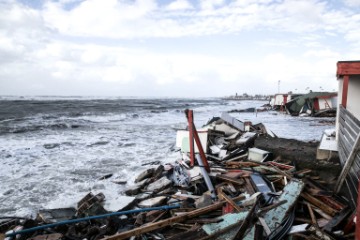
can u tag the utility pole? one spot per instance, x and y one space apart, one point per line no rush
279 86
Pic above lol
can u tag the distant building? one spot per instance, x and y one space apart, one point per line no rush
279 100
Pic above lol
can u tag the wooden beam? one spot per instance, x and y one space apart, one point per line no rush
319 204
348 164
231 180
345 89
222 195
158 225
348 68
312 215
268 208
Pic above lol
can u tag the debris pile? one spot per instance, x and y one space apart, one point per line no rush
220 188
317 104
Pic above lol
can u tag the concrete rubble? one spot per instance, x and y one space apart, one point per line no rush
237 191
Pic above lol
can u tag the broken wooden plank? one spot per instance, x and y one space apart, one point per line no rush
302 172
52 236
248 186
241 164
163 213
322 213
331 202
265 226
316 202
319 233
203 220
182 226
298 228
251 216
268 208
194 233
231 180
312 215
337 219
163 223
222 195
259 232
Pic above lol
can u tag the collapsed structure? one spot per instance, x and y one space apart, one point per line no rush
316 104
313 104
221 187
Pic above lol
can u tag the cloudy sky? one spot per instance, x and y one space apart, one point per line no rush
180 48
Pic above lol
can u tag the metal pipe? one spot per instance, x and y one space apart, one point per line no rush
13 233
206 177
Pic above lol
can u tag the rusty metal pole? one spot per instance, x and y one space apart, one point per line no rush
190 118
194 135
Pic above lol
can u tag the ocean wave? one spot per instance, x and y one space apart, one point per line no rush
34 128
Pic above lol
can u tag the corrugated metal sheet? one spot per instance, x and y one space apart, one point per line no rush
349 128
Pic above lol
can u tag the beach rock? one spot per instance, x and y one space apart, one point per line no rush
159 185
145 174
152 202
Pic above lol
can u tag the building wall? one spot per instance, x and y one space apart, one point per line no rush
325 103
279 99
353 99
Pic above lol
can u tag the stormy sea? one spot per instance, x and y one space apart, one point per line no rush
53 150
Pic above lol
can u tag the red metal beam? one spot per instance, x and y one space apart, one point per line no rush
345 88
190 117
348 68
193 135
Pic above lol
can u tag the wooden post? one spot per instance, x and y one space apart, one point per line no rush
345 88
348 164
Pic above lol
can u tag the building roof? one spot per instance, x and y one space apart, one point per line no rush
348 68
